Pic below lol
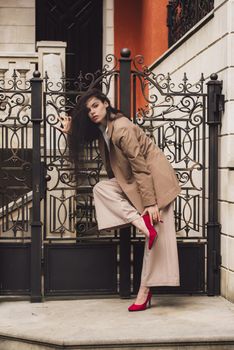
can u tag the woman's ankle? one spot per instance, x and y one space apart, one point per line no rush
143 289
140 224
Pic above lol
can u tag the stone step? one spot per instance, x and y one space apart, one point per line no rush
9 343
172 323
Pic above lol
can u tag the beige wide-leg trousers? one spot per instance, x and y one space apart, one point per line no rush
113 210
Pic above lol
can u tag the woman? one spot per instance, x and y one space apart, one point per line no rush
140 191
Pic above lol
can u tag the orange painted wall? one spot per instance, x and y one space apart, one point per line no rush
154 32
141 26
126 25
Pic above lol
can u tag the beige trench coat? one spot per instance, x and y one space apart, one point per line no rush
139 166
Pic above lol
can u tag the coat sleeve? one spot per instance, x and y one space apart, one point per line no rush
130 147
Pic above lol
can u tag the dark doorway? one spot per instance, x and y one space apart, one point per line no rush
77 22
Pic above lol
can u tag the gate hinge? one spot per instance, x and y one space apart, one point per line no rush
221 103
216 260
42 182
216 102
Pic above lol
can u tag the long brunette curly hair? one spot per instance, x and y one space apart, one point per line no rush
83 130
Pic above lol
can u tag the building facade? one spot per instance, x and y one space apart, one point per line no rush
27 44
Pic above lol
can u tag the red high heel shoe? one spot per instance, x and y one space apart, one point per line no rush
152 232
141 307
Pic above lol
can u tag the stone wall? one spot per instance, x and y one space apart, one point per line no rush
17 26
108 27
17 39
211 50
108 34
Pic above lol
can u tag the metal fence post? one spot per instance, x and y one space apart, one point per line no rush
125 81
36 239
215 106
125 233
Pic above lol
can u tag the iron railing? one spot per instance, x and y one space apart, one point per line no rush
183 15
34 162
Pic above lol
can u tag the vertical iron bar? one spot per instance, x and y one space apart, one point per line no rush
169 23
7 139
116 91
213 226
196 12
134 87
203 147
125 263
36 291
53 215
45 162
125 233
125 82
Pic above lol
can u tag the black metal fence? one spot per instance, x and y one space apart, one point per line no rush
183 15
47 209
15 185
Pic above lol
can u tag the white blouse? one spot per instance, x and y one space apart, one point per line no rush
105 135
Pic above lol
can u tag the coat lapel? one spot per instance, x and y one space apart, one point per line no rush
105 156
101 144
110 126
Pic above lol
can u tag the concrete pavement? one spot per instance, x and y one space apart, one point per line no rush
173 322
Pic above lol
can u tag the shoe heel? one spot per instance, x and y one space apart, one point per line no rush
141 307
149 299
149 303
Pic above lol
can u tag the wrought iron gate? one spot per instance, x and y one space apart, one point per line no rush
47 210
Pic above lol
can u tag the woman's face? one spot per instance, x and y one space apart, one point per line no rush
97 110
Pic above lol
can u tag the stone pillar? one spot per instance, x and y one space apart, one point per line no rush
51 58
108 36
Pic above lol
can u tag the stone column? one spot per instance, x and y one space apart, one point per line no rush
51 58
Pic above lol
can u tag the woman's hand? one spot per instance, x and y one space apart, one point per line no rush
66 122
153 212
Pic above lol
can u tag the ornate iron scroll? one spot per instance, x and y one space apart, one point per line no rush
173 116
15 158
69 207
184 14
